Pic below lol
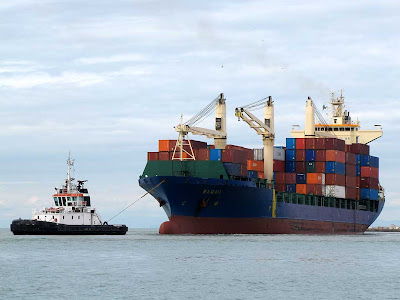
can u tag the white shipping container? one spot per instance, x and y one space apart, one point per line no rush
258 154
335 191
279 154
323 180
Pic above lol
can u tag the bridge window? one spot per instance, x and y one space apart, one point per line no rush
341 129
347 128
335 129
352 129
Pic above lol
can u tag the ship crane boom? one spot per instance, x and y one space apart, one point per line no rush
265 129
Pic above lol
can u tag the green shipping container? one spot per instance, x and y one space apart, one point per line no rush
310 167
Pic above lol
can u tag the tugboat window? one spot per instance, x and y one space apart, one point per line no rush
72 217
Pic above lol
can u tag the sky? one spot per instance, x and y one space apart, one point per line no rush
107 79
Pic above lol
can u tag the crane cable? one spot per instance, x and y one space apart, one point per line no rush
136 200
320 117
257 104
204 113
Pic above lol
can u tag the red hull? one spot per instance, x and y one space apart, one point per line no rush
193 225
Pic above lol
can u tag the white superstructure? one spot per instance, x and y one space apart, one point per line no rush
71 204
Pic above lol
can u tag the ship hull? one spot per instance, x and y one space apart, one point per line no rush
33 227
218 206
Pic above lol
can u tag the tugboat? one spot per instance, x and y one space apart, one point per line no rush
72 214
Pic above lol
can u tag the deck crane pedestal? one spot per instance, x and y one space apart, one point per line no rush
219 134
265 129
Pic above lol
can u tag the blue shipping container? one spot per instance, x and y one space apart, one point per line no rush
365 160
252 174
291 188
215 154
374 161
358 159
301 179
233 169
290 166
358 170
335 167
290 155
369 194
310 155
290 143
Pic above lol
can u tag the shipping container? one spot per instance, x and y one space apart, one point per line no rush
319 167
164 155
335 155
204 154
279 166
350 158
216 154
163 145
310 155
290 166
335 191
335 144
255 165
232 169
310 143
314 189
290 143
315 178
152 156
258 154
290 155
300 143
351 181
290 178
320 155
320 143
234 155
301 178
369 194
301 189
252 174
335 179
291 188
358 170
358 159
369 183
374 161
335 167
310 167
280 177
300 155
260 175
351 193
351 170
300 166
365 160
280 187
243 170
369 172
357 148
279 154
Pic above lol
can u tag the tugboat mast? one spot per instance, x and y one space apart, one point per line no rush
70 165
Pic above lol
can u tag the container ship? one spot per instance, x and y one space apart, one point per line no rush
323 181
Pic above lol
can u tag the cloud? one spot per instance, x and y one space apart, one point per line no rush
129 57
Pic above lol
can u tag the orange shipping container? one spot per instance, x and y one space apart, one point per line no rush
315 178
260 175
335 155
301 189
163 145
255 165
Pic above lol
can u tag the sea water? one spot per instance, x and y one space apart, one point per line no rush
146 265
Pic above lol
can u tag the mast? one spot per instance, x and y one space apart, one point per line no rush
70 165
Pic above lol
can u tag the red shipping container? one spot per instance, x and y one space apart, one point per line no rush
314 189
280 187
335 144
358 184
204 154
152 156
351 193
350 158
335 179
243 170
300 155
351 181
234 155
300 143
290 178
210 146
369 172
351 170
369 183
335 155
164 155
358 148
280 177
320 143
319 167
279 166
300 166
347 148
341 145
255 165
310 143
301 189
375 173
320 155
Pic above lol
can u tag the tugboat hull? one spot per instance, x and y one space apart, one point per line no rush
34 227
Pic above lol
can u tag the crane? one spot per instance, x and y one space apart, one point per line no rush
265 129
219 134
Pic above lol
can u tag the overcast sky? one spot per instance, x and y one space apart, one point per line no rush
108 79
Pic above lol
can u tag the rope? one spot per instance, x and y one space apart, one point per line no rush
204 113
257 104
137 200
